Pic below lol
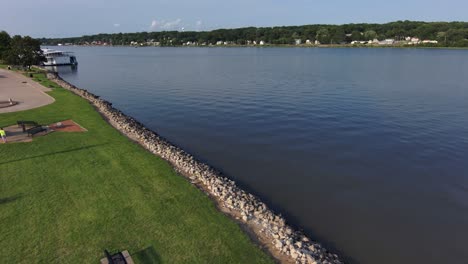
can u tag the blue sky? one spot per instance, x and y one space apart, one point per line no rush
62 18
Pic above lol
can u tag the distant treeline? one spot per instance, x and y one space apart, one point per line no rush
448 34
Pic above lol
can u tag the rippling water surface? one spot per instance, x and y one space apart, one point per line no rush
365 149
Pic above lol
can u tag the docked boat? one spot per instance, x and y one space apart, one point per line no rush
57 57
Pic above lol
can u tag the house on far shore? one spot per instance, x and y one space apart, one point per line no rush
355 42
219 42
317 42
387 42
414 41
262 42
308 42
298 41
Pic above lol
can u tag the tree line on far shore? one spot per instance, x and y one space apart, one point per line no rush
447 34
20 51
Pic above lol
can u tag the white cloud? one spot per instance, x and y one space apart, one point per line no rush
165 25
116 25
171 24
154 25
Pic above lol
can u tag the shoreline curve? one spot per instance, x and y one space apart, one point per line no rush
268 229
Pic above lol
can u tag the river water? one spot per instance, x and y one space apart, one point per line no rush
366 150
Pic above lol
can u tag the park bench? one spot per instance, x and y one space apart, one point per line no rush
35 130
23 124
118 258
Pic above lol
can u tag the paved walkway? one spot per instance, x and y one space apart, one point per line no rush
23 90
15 134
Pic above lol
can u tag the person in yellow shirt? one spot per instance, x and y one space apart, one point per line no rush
3 135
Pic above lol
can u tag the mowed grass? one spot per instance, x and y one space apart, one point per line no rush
65 197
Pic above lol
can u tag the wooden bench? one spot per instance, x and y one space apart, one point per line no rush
35 130
23 124
118 258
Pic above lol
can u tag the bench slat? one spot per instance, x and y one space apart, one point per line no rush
35 130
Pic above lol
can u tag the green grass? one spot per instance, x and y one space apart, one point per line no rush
65 197
41 78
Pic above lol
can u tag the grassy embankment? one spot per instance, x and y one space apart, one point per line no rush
66 197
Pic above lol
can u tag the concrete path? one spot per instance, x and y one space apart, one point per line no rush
15 134
23 90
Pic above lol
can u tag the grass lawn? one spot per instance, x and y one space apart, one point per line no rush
65 197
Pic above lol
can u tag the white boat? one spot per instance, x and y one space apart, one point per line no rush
57 57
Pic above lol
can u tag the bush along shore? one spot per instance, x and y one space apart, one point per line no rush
270 229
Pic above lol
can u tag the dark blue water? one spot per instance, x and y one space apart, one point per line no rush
365 149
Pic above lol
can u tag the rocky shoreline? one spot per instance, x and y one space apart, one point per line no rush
282 241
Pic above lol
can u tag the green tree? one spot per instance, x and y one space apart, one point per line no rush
338 36
457 35
4 43
323 35
24 51
326 34
442 37
356 35
295 35
370 35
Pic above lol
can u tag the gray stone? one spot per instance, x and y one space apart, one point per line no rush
279 245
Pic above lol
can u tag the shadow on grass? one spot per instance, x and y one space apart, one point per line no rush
147 256
10 199
54 153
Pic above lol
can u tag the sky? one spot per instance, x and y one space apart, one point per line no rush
68 18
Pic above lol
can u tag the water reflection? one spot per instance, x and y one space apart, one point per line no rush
63 70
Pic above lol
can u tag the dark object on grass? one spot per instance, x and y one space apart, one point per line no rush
31 75
23 124
117 258
35 130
